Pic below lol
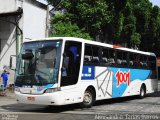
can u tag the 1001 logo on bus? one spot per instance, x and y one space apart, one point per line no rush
123 77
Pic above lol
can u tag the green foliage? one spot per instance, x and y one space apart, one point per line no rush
90 11
61 29
133 22
135 39
142 12
130 19
89 15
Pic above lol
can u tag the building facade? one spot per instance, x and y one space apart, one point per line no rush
20 20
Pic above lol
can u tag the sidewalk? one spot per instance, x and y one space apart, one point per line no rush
9 95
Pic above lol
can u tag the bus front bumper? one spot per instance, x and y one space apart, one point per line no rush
42 99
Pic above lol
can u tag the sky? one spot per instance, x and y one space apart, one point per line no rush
155 2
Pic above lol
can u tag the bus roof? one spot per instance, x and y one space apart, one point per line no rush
94 43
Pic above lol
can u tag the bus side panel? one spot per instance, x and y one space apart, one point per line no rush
127 82
151 85
100 78
103 78
112 82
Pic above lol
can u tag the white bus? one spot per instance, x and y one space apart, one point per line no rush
67 70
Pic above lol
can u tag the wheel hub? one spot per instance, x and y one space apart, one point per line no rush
87 98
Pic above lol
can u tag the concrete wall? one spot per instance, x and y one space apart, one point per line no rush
7 6
7 42
34 21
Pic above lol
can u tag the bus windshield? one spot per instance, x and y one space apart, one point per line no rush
38 63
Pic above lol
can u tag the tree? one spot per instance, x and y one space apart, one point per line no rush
135 40
129 27
118 8
154 30
61 28
90 15
142 12
129 22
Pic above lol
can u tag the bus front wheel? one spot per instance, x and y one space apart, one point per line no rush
88 98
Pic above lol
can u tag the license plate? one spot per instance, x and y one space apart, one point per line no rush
31 98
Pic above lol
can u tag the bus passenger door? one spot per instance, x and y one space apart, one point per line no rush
71 63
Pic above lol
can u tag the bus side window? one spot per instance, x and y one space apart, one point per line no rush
87 59
136 60
152 66
105 56
92 55
122 58
130 59
119 58
125 59
146 61
87 54
152 63
112 57
96 58
143 61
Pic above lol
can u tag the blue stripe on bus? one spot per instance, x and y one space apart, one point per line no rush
40 88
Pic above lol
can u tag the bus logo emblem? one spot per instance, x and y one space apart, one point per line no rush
123 77
88 73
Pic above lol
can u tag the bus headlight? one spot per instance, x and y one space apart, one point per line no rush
51 90
17 89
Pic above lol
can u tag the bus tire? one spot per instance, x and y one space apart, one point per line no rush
142 92
88 98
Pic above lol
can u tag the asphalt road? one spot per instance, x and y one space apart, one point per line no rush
130 108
